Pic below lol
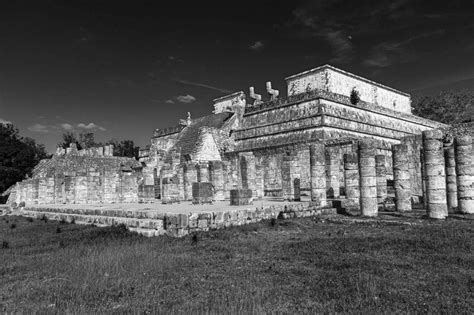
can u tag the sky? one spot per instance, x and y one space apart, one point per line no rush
121 69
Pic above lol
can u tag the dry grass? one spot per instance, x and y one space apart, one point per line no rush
293 266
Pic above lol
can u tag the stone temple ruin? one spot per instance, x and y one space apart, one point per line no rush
320 143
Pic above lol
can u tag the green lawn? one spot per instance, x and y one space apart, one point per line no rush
291 266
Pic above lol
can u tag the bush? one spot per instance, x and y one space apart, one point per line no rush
355 97
58 230
5 245
12 226
29 219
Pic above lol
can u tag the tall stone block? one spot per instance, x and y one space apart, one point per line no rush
203 172
351 177
401 178
290 177
451 186
69 189
49 197
367 180
435 174
465 173
42 190
217 179
333 169
317 164
110 182
94 187
189 177
248 171
81 189
259 183
381 177
59 189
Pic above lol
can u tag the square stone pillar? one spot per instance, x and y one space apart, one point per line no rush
333 172
217 179
351 177
290 173
317 164
465 173
401 178
189 177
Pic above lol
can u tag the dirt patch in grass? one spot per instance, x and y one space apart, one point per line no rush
298 265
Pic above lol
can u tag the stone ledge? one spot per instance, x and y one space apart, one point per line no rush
177 224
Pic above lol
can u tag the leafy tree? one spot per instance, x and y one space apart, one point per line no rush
68 138
446 107
18 156
124 148
82 140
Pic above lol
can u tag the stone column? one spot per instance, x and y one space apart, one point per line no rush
435 174
49 190
465 173
189 177
42 190
203 172
248 172
259 182
289 172
217 179
333 172
401 178
317 164
381 178
451 186
351 177
368 182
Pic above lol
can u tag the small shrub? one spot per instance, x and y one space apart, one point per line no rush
63 221
73 220
58 230
355 97
12 226
29 219
5 245
44 218
273 222
194 239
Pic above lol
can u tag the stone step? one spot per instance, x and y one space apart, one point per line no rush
150 226
175 224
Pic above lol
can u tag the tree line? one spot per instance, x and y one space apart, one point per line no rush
125 148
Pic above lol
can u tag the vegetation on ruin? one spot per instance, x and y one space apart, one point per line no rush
291 266
87 140
354 97
18 156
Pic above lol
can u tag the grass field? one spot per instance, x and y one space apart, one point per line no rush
291 266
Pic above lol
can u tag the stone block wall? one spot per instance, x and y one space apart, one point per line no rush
341 82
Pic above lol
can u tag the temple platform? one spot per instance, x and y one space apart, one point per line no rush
177 219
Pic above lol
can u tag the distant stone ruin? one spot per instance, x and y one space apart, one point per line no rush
314 143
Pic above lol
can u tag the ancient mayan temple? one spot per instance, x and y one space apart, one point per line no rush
262 142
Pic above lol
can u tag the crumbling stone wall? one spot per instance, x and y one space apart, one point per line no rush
84 176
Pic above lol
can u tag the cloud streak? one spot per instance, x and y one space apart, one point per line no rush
202 85
257 46
185 98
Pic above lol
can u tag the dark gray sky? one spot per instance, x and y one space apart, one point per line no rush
123 68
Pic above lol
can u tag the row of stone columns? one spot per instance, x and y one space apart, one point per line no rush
449 174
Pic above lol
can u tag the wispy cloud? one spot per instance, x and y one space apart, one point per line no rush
206 86
393 52
39 128
67 126
341 45
185 98
91 126
169 101
257 46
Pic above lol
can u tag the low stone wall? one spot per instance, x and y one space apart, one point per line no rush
154 223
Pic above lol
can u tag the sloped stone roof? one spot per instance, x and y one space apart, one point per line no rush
75 163
188 138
